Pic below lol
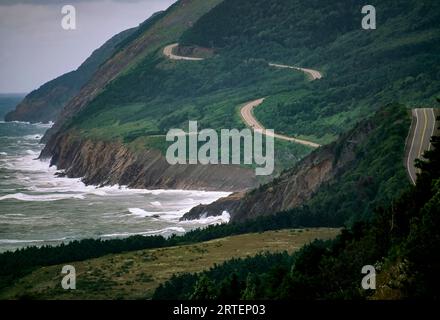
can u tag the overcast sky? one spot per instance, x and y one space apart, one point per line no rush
34 48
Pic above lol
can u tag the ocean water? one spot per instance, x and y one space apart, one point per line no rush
38 208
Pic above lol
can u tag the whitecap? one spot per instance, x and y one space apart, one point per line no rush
41 198
141 213
31 152
153 232
44 125
225 217
32 137
12 241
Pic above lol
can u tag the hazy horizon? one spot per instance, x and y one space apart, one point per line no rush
36 49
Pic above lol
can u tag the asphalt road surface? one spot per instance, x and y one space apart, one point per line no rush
247 110
422 129
251 121
168 51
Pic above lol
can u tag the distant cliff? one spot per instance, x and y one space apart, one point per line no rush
45 103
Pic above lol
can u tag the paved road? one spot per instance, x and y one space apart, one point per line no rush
247 110
248 117
168 51
422 128
314 75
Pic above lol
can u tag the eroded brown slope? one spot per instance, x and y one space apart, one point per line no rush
294 187
106 163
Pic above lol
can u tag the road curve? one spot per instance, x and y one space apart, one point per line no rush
422 129
168 52
313 74
248 117
247 110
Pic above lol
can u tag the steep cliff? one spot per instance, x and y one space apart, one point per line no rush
166 27
363 165
138 93
111 163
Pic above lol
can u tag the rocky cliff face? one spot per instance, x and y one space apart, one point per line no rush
106 163
164 28
294 187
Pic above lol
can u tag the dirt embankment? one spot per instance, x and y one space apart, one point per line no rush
111 163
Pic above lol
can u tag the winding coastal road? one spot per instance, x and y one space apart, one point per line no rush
247 110
422 129
168 52
313 74
248 117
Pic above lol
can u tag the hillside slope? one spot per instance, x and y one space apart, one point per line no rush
136 274
138 95
45 103
401 242
340 182
363 69
8 102
164 28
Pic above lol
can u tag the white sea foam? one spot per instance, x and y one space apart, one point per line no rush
204 220
31 152
37 182
141 213
145 233
32 137
13 241
41 198
38 124
18 122
44 125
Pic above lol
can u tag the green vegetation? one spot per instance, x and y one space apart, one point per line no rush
375 173
159 95
8 103
387 179
376 176
402 242
136 274
363 70
387 225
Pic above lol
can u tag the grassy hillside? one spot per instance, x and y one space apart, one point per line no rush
363 69
339 183
135 275
374 177
402 243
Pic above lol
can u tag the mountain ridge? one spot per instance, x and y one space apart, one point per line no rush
45 103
